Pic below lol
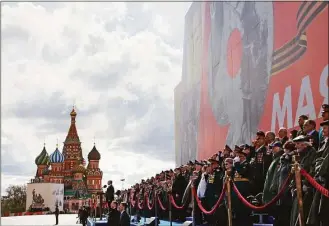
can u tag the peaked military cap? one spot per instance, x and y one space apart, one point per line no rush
276 144
301 138
211 160
228 148
198 163
243 153
324 123
229 160
237 148
246 146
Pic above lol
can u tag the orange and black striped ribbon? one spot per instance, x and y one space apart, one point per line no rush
293 50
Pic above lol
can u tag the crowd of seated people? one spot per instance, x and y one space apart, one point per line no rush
259 171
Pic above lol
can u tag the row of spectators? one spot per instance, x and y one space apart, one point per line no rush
258 170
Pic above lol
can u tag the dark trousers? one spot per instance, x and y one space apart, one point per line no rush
56 219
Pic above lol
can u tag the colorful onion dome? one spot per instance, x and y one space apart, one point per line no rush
56 156
79 169
42 158
94 154
45 171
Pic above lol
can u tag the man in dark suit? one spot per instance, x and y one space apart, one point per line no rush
124 217
109 193
114 215
310 131
301 121
56 214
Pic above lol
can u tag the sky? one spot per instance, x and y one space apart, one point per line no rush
118 63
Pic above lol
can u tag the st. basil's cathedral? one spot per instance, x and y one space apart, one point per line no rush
68 167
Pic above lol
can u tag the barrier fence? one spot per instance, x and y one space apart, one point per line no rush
226 191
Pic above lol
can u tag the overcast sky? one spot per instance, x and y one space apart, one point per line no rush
119 64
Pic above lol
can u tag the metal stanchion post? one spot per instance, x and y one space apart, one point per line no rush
229 201
298 181
170 209
192 178
155 206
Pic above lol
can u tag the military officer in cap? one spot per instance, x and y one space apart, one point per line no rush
241 180
178 189
247 151
226 152
283 206
325 117
271 186
318 214
214 188
307 161
258 166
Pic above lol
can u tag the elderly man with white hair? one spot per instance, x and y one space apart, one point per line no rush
307 156
283 135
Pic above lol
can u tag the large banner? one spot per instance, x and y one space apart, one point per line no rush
45 195
249 66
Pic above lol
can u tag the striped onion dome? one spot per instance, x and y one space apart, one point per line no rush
79 169
56 157
42 158
45 171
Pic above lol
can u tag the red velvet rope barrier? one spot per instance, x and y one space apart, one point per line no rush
140 206
315 184
150 207
132 202
274 200
172 200
213 209
160 204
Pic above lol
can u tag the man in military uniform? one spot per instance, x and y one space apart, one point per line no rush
226 152
271 185
241 170
283 205
214 189
178 188
307 156
301 120
325 117
257 164
318 214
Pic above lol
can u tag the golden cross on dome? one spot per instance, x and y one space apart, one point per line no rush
57 143
94 141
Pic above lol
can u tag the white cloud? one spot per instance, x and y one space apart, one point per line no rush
118 62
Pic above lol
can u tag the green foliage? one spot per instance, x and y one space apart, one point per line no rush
15 201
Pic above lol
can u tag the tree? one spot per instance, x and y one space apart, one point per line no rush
15 201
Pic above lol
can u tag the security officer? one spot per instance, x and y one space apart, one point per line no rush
271 186
318 214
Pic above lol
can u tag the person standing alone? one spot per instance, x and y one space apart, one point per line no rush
109 193
56 214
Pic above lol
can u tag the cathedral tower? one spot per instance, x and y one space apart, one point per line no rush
56 162
72 152
94 174
42 162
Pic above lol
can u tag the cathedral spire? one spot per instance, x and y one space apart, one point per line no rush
72 134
